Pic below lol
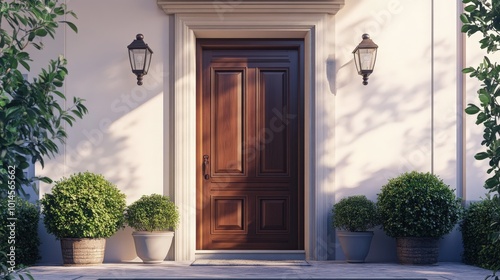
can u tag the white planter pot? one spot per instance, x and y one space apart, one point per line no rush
152 247
355 245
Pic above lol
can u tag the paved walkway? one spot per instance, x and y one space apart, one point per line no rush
316 270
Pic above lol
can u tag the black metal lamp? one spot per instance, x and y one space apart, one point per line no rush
139 55
365 55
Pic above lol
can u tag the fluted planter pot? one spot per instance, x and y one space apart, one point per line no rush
82 251
417 250
152 247
355 245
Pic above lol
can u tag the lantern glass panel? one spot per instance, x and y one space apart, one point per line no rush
365 59
138 59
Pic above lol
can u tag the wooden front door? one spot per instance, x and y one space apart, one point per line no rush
250 192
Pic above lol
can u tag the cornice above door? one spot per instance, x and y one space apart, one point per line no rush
250 6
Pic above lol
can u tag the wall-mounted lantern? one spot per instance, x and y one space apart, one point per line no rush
139 55
365 55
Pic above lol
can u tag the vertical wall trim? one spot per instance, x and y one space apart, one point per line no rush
433 154
461 85
320 210
65 86
309 157
185 140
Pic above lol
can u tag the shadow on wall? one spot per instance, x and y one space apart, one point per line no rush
387 131
121 138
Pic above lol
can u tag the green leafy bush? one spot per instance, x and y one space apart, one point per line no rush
85 205
26 231
152 213
6 273
418 204
477 232
355 213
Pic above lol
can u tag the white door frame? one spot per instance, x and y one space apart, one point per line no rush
317 30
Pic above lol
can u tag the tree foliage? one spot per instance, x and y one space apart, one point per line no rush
483 17
33 114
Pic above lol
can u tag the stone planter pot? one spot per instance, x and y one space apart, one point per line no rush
355 245
417 250
152 247
82 251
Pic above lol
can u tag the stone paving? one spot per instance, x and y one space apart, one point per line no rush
316 270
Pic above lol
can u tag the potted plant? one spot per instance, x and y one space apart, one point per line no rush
82 211
418 209
152 217
354 216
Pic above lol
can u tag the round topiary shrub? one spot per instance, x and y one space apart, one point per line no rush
417 204
478 227
355 213
152 213
85 205
25 230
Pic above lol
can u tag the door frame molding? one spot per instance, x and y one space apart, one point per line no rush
251 6
317 31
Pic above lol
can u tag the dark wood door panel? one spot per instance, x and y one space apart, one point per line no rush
227 121
276 132
239 185
229 214
273 214
234 228
250 187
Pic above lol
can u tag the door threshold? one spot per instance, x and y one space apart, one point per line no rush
250 255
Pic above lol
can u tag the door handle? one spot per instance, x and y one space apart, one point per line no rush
205 167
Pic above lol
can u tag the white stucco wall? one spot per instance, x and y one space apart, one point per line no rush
122 136
404 119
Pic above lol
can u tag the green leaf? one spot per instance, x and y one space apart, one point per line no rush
38 46
484 98
45 180
57 83
468 70
25 64
23 165
481 117
486 60
59 11
481 156
464 19
71 25
60 94
472 109
492 182
41 32
470 8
